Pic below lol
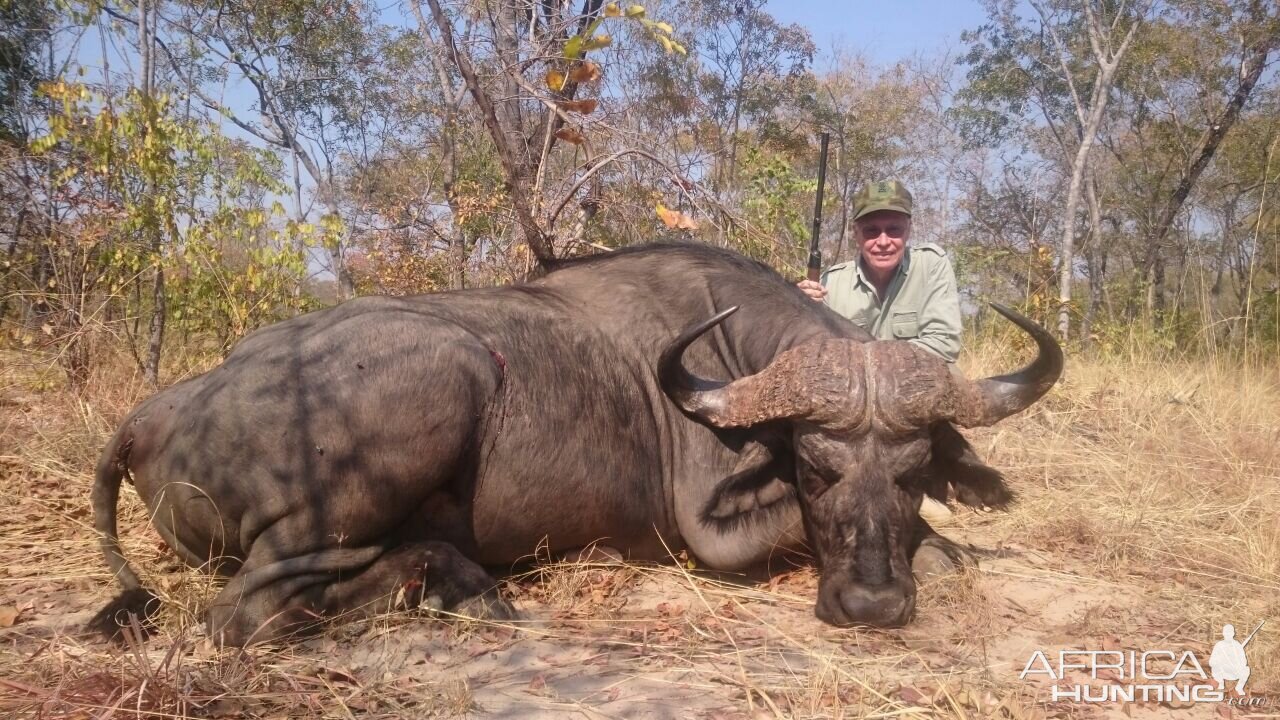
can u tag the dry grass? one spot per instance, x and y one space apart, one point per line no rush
1149 515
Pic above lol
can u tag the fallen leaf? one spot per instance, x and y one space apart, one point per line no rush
669 609
8 615
339 675
913 696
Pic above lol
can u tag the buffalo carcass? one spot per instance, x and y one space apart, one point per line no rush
397 445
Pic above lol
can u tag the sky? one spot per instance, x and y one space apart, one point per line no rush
886 31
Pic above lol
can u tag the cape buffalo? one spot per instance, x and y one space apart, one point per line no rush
397 445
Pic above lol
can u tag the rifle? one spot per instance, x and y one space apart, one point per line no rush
815 254
1255 632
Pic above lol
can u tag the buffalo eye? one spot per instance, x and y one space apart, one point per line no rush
814 484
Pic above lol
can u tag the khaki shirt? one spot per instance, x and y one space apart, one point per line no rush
921 305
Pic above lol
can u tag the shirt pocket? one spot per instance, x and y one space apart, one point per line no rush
905 325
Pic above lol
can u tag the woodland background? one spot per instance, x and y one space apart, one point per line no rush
174 174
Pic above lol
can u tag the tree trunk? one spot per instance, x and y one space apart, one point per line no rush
346 284
151 371
448 150
8 270
509 152
736 125
1155 292
845 199
1089 120
1098 106
300 245
154 346
1091 262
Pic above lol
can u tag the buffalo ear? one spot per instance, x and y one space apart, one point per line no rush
758 481
980 485
954 460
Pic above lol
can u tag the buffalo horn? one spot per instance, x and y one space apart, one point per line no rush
767 395
992 399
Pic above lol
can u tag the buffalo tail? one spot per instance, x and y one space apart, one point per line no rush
135 600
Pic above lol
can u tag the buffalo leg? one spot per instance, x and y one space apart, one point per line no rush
267 602
434 574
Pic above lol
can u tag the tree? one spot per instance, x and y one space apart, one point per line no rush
303 63
1257 33
24 32
1066 67
529 104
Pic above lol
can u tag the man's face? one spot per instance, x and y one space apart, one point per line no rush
883 235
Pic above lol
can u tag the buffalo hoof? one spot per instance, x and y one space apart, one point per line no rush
938 556
934 512
131 608
931 563
488 606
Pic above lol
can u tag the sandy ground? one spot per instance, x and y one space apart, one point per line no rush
602 640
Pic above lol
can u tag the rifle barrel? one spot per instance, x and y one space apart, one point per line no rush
815 253
1255 632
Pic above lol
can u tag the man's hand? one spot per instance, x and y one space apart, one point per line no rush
813 289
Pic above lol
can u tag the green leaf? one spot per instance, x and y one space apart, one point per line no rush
575 46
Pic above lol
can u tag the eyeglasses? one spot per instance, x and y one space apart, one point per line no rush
871 231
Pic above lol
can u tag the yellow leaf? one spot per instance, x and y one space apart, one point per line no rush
675 219
585 72
666 43
599 41
635 11
612 10
664 27
555 80
679 48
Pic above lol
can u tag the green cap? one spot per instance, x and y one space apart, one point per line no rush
883 195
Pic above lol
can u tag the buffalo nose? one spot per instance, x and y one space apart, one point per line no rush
886 605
